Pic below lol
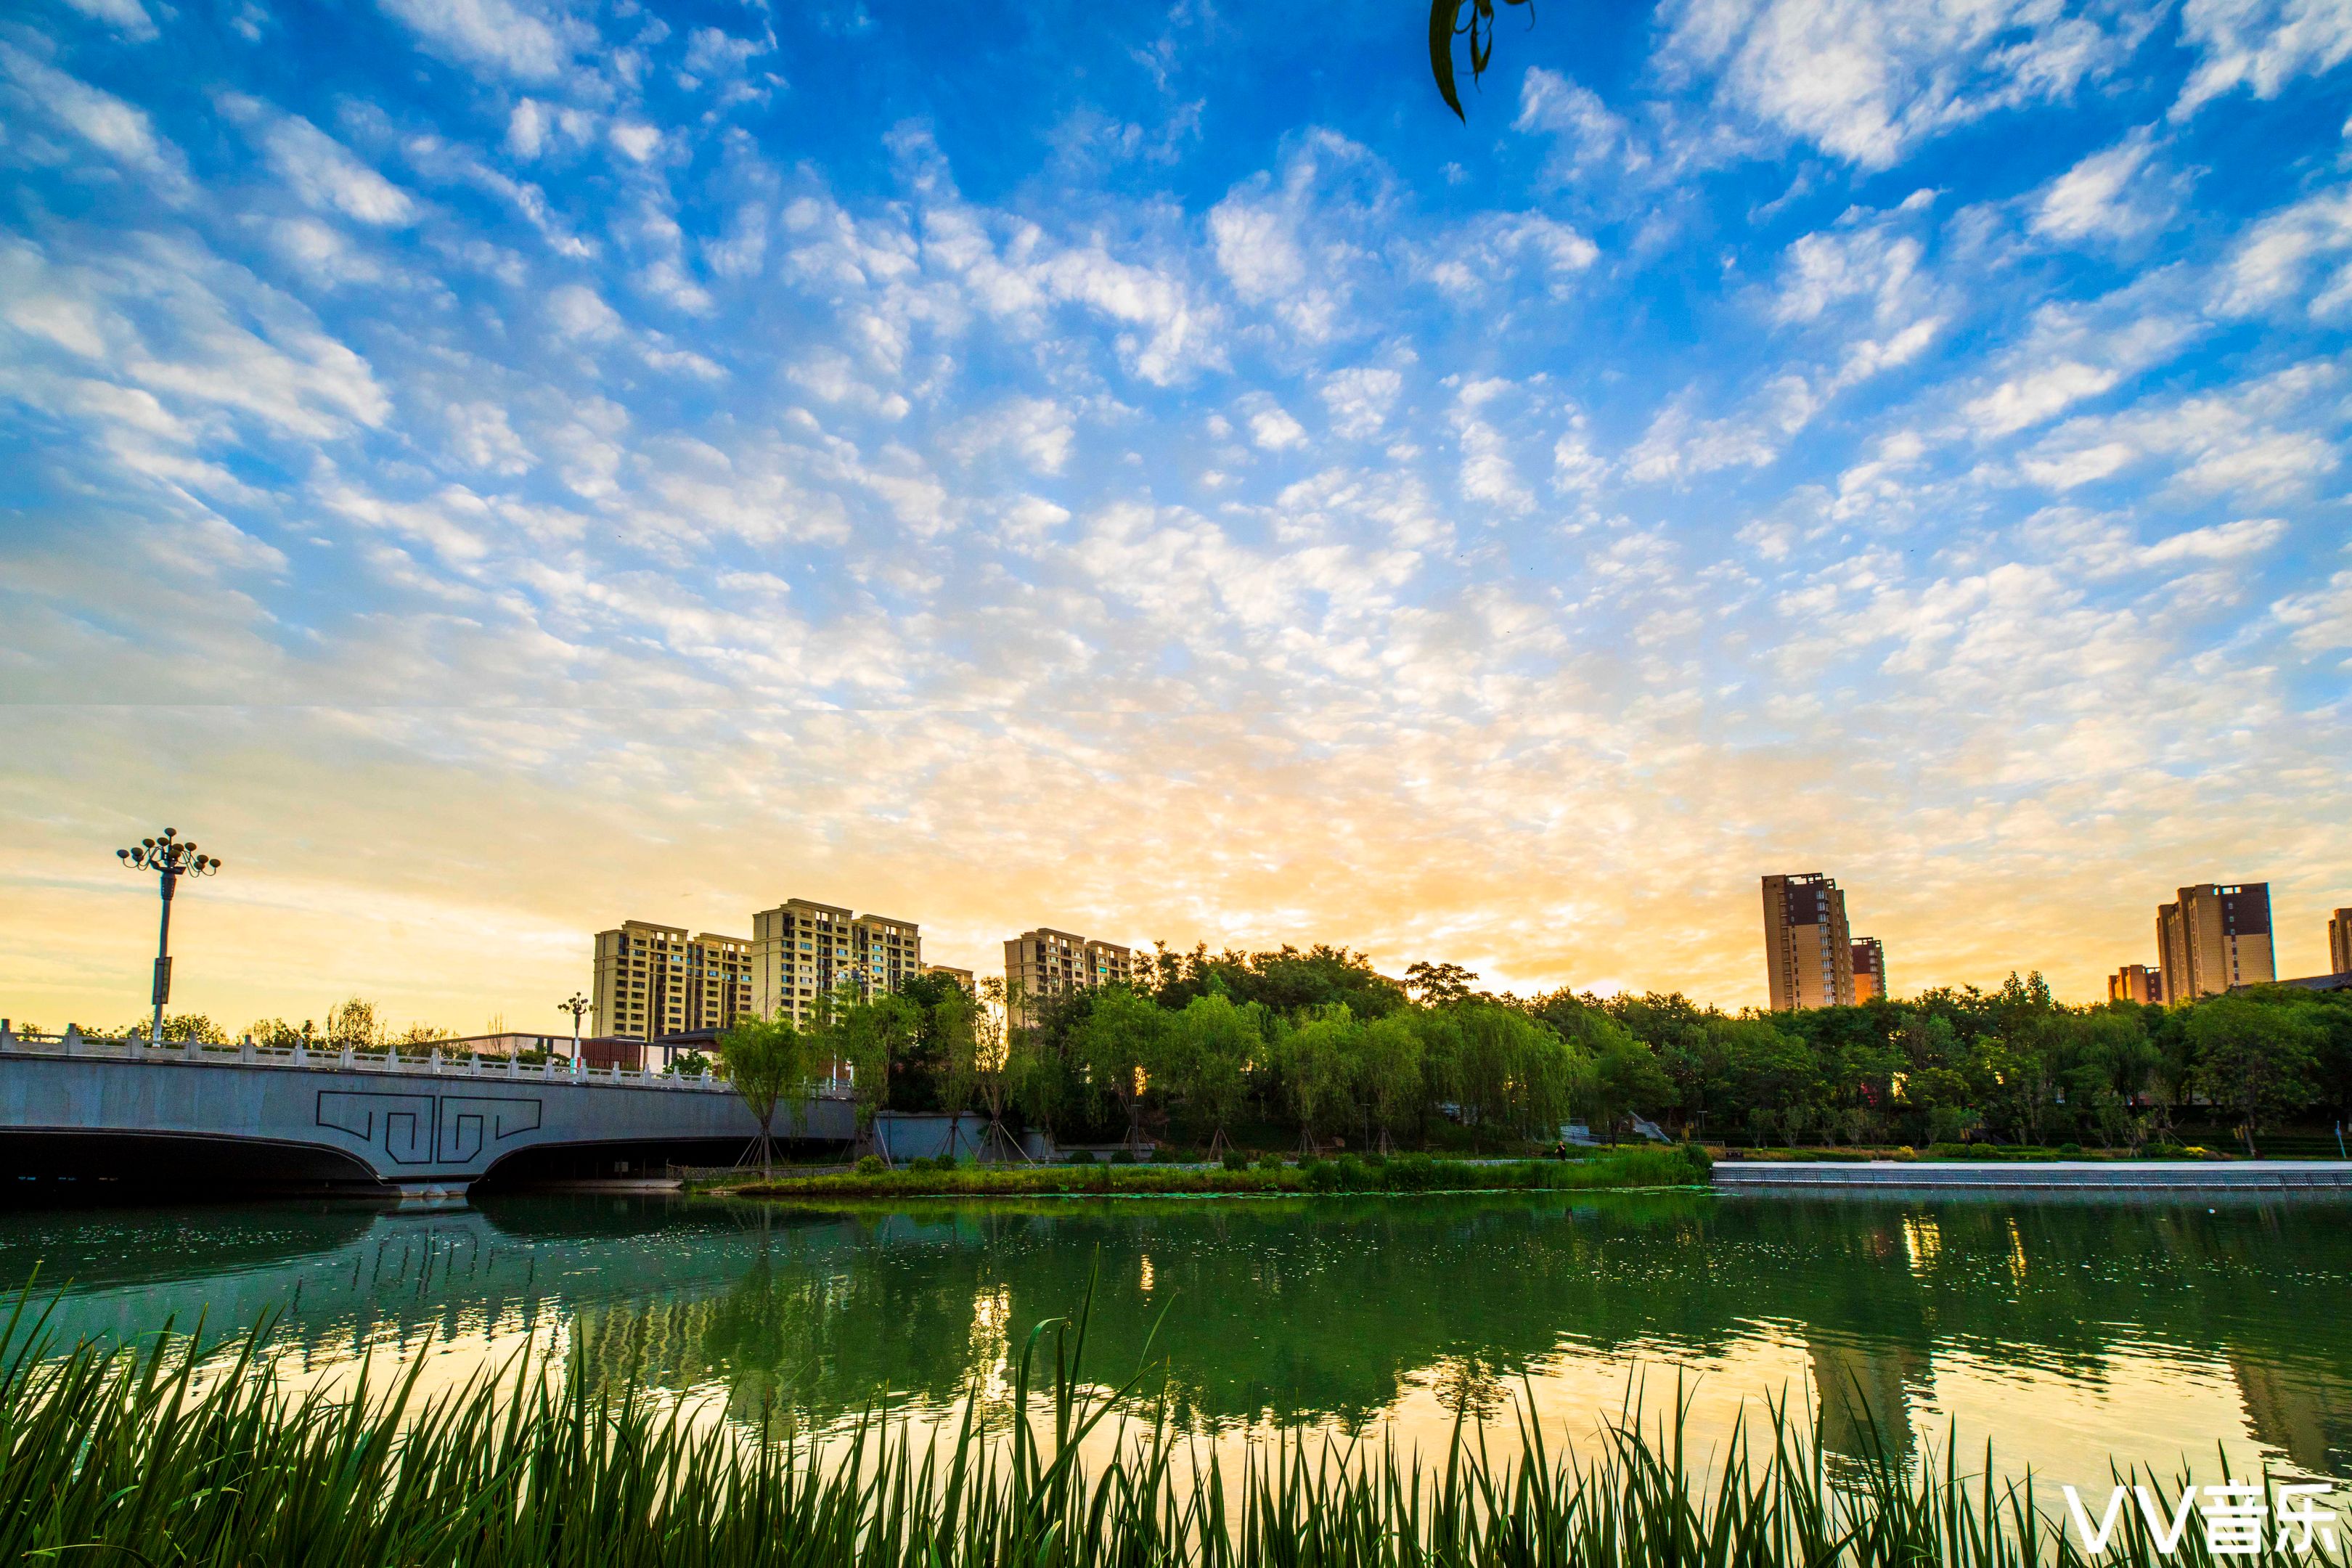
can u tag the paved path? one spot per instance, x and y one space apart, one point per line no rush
2040 1175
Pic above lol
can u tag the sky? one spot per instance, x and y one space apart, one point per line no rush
492 468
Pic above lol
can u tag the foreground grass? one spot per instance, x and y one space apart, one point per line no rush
108 1455
1678 1165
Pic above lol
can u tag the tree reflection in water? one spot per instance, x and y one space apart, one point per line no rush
1325 1310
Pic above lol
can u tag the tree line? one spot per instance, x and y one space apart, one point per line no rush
1316 1048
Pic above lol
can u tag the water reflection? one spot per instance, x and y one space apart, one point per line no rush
2065 1331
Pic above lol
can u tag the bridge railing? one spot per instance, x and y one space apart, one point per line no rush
389 1060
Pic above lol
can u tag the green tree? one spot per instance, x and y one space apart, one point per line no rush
1392 1084
767 1061
1625 1080
355 1024
1120 1045
873 1036
1217 1042
1320 1063
2257 1061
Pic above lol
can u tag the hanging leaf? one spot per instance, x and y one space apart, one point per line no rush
1442 14
1446 20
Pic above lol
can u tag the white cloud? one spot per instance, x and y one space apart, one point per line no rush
500 35
2322 618
636 139
1358 400
1590 137
2223 542
2272 264
115 128
1295 246
1865 81
2111 195
1038 431
127 18
321 170
579 313
1273 429
2259 45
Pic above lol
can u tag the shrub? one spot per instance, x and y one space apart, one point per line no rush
1350 1174
1236 1161
1122 1156
1269 1161
2070 1150
870 1165
1082 1156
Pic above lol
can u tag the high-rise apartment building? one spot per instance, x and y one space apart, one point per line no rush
1045 963
2136 983
2339 942
2213 937
802 950
1869 968
654 980
1808 950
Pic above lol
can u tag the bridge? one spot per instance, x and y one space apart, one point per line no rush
419 1125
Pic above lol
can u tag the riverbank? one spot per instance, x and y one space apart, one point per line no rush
1678 1165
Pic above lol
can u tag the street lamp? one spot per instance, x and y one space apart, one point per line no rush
575 1005
171 857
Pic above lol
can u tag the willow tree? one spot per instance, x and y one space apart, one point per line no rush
767 1061
1120 1045
1217 1043
985 1043
1321 1060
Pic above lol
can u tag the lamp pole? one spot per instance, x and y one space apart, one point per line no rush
171 857
575 1004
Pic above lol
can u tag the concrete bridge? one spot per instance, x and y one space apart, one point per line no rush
96 1110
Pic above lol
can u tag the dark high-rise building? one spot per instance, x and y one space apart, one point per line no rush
1869 968
1808 950
2339 942
2213 937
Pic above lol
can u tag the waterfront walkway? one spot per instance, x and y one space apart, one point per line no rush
2037 1175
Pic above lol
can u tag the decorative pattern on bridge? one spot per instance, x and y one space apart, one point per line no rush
427 1129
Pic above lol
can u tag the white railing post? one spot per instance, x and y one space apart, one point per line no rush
7 1037
73 1041
434 1063
244 1049
345 1061
392 1058
301 1057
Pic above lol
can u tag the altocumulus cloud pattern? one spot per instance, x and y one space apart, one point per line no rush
500 466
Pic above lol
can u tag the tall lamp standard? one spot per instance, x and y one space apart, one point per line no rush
575 1005
171 857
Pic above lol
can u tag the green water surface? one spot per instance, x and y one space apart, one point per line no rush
2067 1333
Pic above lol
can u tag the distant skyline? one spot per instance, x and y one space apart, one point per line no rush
492 468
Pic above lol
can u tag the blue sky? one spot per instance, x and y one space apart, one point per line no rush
497 468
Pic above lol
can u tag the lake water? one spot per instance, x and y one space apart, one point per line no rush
2067 1333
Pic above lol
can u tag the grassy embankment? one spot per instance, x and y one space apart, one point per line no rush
1677 1165
113 1455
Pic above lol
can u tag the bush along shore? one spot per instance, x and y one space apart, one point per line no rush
116 1455
1671 1166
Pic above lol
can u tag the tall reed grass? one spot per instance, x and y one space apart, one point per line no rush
161 1454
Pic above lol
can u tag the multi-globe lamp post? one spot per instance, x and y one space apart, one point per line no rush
171 857
575 1004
